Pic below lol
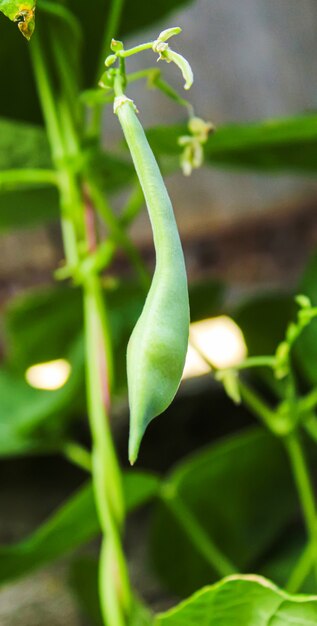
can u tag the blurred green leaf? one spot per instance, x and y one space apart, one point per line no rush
25 146
33 420
250 501
42 324
242 601
278 145
71 526
26 208
263 319
205 298
110 171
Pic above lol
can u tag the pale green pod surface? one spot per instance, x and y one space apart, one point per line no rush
158 344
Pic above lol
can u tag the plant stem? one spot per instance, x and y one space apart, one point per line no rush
305 490
309 402
115 589
58 149
300 571
310 425
198 536
132 207
111 30
123 54
11 179
115 594
117 232
258 407
76 454
256 361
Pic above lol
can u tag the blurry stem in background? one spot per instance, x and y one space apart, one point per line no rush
12 179
117 231
58 148
300 571
305 491
111 30
132 207
257 406
196 533
78 455
288 431
78 228
114 587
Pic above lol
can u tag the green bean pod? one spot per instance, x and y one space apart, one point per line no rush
158 344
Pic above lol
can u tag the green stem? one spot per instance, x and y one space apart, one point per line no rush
305 490
309 402
115 591
58 149
133 206
111 30
76 454
11 179
196 533
45 92
117 232
310 425
258 407
256 361
301 570
112 27
61 12
123 54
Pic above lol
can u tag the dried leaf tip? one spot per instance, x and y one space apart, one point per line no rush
25 19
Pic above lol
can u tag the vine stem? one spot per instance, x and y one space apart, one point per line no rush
58 149
11 179
114 585
196 533
117 231
115 592
305 491
111 30
300 571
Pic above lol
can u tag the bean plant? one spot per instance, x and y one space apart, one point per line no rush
192 543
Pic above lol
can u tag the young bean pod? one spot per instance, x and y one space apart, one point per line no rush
158 344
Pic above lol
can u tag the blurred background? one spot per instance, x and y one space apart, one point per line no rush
247 235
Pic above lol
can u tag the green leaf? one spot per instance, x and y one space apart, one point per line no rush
250 501
26 208
42 324
263 319
278 145
242 601
33 420
110 171
21 12
205 298
25 146
71 526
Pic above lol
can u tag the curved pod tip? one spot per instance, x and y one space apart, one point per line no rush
135 439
